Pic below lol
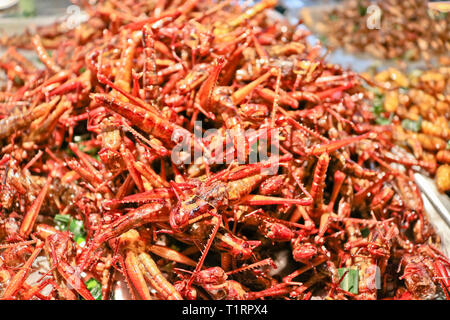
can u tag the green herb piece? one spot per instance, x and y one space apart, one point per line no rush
376 91
409 54
412 125
89 150
79 141
378 104
77 228
378 108
403 90
333 17
18 81
70 152
361 9
323 39
82 69
443 15
27 8
95 288
62 221
80 240
448 145
365 232
350 281
384 121
65 222
437 15
415 73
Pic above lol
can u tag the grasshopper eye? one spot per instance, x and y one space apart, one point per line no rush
178 218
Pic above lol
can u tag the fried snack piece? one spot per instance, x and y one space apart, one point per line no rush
443 178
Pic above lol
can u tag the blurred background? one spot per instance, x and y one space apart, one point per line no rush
12 8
